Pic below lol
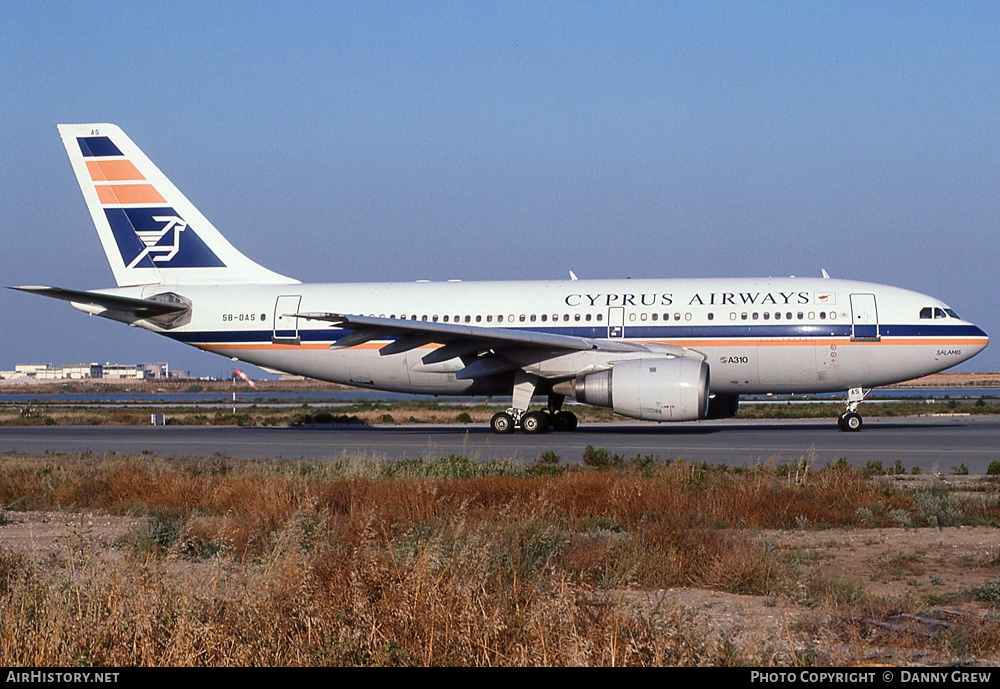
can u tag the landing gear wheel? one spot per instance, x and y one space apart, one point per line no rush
564 421
502 422
534 422
850 422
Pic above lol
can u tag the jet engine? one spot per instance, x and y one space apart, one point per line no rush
649 389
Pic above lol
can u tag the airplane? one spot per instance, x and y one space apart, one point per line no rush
651 349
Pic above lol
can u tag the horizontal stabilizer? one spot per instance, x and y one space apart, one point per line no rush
142 308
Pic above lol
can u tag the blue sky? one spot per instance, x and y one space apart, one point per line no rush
354 141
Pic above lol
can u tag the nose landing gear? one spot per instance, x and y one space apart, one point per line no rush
850 421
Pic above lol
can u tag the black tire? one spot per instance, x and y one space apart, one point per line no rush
502 423
534 422
850 422
564 421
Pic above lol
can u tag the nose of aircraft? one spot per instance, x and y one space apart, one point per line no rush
977 342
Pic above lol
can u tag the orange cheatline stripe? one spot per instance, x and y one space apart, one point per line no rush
128 193
113 171
263 345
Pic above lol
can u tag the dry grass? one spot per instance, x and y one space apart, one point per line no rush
442 563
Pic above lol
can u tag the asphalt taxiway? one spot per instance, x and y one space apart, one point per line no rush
932 443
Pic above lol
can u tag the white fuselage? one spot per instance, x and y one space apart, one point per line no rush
758 335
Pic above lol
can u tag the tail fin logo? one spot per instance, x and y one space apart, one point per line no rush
158 237
151 239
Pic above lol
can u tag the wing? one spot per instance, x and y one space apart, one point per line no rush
485 351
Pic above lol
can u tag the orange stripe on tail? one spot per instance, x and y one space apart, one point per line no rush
128 193
113 171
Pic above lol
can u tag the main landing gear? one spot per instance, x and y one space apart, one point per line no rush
850 421
537 421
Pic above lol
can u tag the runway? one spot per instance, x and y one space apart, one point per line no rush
930 443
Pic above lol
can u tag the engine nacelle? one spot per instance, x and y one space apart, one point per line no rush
649 389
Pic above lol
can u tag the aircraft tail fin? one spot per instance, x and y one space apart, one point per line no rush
150 232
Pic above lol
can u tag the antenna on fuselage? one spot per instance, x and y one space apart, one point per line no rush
826 275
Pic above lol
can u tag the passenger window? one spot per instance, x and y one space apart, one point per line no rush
600 317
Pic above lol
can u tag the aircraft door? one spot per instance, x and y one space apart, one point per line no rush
616 322
286 327
864 318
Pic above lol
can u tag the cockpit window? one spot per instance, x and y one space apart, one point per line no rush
937 312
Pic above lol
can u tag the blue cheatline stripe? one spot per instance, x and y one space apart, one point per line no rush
631 332
93 146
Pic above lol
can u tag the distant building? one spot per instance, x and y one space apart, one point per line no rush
123 371
82 371
29 372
